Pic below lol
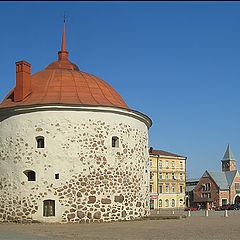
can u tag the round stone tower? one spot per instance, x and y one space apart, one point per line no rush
71 150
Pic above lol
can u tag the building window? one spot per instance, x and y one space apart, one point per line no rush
57 176
151 188
173 164
167 189
150 162
151 175
160 175
181 176
40 141
160 189
173 176
166 164
173 202
166 203
115 141
48 208
181 164
181 189
160 163
173 189
152 204
166 175
160 203
237 186
181 202
31 175
224 201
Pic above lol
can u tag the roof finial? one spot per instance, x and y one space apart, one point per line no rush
63 54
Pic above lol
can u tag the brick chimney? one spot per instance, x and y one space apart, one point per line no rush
23 85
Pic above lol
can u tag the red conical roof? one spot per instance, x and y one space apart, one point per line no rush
62 82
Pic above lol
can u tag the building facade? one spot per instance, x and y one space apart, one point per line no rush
190 185
215 189
71 150
167 179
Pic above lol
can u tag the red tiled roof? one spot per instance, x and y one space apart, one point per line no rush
62 82
163 153
62 85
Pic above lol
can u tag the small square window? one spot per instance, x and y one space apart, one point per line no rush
57 176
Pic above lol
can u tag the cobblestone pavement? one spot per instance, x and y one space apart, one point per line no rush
195 227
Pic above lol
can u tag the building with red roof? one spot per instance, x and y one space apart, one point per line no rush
71 150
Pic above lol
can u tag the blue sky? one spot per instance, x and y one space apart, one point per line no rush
177 62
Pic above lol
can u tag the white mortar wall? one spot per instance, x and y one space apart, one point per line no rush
97 182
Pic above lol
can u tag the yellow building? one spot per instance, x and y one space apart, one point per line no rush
167 179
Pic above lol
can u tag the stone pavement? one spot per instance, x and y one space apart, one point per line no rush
197 227
8 235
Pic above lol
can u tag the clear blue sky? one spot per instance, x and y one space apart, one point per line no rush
177 62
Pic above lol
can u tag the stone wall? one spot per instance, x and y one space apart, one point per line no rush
96 181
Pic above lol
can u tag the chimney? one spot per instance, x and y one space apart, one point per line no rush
23 85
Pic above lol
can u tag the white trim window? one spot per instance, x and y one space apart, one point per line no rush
167 189
173 202
181 176
160 175
166 203
181 164
173 164
167 164
160 163
166 175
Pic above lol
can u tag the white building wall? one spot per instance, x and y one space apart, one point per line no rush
96 181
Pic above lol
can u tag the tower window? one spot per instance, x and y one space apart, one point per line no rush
115 142
57 176
48 208
40 142
31 175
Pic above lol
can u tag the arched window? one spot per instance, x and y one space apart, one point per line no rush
166 203
173 202
40 141
181 202
48 208
160 203
115 141
31 175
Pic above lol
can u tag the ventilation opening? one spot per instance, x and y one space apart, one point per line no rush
31 175
115 142
48 208
40 142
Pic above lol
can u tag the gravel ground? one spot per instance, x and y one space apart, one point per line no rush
198 226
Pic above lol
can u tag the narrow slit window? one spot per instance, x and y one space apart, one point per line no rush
57 176
115 142
48 208
40 142
31 175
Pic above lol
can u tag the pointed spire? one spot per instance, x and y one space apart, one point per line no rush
63 54
228 154
63 39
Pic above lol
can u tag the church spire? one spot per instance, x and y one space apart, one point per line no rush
63 54
228 156
228 161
